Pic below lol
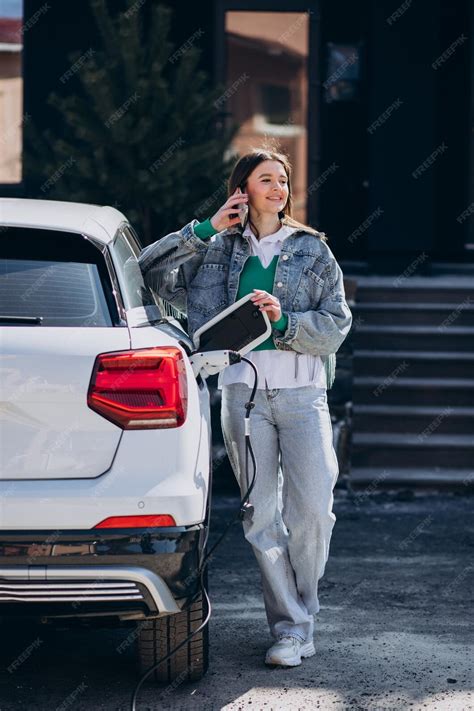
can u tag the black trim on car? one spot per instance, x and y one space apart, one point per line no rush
172 553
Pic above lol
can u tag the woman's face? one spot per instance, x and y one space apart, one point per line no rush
267 187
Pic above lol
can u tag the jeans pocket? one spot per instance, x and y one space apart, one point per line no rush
320 394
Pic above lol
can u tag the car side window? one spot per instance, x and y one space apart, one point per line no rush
125 251
165 308
132 239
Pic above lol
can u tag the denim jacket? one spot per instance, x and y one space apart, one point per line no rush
201 278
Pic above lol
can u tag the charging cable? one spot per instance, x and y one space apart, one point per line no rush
246 509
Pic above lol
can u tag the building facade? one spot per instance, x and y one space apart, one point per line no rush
372 100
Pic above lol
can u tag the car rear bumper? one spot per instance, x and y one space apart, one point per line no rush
132 573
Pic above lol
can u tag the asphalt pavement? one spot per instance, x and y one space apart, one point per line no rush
394 631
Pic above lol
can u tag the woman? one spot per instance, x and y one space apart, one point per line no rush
295 278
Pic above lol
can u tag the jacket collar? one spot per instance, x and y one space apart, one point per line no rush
239 230
278 236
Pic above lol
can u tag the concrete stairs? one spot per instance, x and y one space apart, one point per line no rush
413 387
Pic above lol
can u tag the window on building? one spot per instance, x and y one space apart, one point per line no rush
342 81
267 87
11 91
276 103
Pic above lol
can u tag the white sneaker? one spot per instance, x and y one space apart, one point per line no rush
289 651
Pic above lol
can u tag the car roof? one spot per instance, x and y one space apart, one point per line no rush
97 221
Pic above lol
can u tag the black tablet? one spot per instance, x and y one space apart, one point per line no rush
240 327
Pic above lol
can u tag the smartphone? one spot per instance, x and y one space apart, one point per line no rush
243 211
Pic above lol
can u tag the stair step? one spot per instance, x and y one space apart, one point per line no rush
444 289
428 364
398 390
358 269
414 338
433 295
400 450
375 478
395 441
415 420
443 315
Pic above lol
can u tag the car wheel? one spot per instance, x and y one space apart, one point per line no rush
156 638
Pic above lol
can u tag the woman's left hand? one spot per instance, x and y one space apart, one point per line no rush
267 302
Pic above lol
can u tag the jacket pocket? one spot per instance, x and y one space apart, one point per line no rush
207 292
309 289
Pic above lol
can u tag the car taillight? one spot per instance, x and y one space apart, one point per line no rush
147 521
140 389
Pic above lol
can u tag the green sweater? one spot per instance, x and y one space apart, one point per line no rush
253 276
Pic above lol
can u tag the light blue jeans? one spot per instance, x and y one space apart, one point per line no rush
290 531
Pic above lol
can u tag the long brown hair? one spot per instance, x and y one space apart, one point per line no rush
246 164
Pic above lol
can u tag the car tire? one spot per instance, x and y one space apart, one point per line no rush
156 638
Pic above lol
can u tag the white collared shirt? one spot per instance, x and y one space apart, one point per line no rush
276 369
268 246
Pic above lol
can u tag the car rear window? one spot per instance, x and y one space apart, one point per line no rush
60 277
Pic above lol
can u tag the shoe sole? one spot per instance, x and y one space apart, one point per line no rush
275 662
306 650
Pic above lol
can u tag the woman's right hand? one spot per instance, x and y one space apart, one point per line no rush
222 220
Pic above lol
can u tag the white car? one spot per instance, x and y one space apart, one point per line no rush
105 436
